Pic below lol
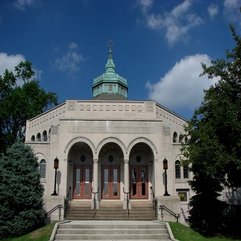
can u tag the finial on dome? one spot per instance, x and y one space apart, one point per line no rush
110 45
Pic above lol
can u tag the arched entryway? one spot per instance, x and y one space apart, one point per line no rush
140 169
80 166
111 158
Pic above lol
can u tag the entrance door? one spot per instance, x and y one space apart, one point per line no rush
110 182
82 182
138 182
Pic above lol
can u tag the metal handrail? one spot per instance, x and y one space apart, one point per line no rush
67 202
154 201
163 207
127 201
59 206
95 202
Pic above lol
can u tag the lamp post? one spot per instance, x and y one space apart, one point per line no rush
56 166
165 167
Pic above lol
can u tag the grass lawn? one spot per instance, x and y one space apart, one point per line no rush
183 233
42 234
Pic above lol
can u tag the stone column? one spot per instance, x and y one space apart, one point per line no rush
126 182
158 178
95 195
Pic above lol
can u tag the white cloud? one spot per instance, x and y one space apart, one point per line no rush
213 10
176 23
9 61
232 4
22 4
70 61
231 10
145 4
182 87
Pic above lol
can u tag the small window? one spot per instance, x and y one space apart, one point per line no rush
45 137
177 169
180 138
49 133
42 168
174 137
38 137
33 138
185 171
110 158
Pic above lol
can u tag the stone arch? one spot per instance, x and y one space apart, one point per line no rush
113 140
110 154
143 140
80 153
80 139
40 156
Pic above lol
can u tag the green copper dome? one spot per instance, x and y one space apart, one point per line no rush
110 85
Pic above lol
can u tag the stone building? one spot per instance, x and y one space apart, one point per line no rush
110 146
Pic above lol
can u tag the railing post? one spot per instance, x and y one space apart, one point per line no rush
59 213
162 215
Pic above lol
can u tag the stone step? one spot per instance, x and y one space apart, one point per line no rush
109 217
111 210
111 237
114 225
112 230
123 240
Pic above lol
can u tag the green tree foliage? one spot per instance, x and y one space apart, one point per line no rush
21 98
214 148
21 204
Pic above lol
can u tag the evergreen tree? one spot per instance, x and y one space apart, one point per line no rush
21 203
214 147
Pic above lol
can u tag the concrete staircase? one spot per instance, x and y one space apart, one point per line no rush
109 210
112 230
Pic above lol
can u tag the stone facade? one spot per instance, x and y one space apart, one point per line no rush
109 141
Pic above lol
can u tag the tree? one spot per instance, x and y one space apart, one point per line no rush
214 147
21 204
21 98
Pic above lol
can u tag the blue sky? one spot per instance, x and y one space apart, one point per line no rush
158 44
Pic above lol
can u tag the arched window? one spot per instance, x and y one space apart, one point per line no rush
33 138
49 133
177 169
42 168
38 137
174 140
45 137
185 171
180 138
